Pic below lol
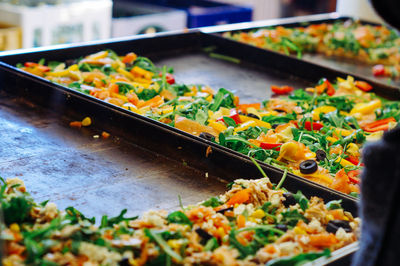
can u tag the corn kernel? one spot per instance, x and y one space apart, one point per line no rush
299 230
221 232
86 121
15 228
258 214
173 243
329 217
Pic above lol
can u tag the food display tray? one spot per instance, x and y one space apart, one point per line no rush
146 164
340 64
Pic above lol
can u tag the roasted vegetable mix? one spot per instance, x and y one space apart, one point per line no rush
376 45
253 223
316 133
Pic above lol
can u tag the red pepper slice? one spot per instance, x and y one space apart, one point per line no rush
307 125
234 115
378 125
281 90
330 90
378 70
354 160
354 176
169 78
362 85
30 64
269 146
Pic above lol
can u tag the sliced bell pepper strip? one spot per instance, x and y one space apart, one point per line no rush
234 115
354 160
269 146
354 176
379 125
309 126
362 85
281 90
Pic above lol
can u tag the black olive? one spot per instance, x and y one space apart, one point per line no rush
289 199
282 227
124 262
70 62
321 155
308 167
253 116
222 211
280 110
207 136
275 126
334 225
203 234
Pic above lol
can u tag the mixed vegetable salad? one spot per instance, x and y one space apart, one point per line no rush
316 133
376 45
253 223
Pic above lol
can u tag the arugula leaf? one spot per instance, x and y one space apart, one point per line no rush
16 207
229 121
334 204
213 202
109 222
179 217
223 98
298 259
124 87
163 245
291 218
301 200
211 244
180 89
201 116
75 216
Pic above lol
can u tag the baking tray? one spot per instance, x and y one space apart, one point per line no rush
172 162
336 63
184 52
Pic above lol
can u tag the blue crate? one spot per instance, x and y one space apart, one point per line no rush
203 13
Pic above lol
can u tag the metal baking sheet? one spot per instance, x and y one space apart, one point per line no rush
340 64
146 164
184 52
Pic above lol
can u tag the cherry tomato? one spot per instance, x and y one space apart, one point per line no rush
281 90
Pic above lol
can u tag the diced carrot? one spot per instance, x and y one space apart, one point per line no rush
239 197
77 124
132 98
323 240
105 135
337 214
129 58
154 102
341 182
241 221
114 88
243 107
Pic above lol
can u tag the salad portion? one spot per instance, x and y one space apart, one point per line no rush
253 223
375 45
316 132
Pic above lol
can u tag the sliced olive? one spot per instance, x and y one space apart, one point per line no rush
207 136
203 234
334 225
289 199
70 62
282 227
253 116
275 126
222 211
321 155
308 167
124 262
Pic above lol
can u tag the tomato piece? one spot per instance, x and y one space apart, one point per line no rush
281 90
378 70
269 146
169 78
362 85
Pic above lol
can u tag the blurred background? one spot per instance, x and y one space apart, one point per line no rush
33 23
